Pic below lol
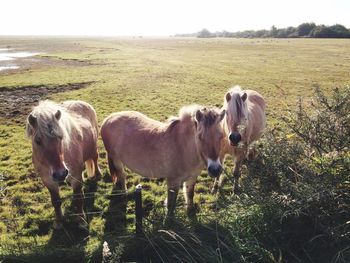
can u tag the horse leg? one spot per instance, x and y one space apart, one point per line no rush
237 173
55 198
173 190
56 202
188 190
78 198
98 173
116 171
218 181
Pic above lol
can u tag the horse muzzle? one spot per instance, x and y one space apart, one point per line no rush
60 176
235 138
214 170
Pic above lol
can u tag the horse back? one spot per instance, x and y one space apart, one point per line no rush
255 99
257 117
83 110
118 128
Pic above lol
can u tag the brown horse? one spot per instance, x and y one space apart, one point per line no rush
64 136
243 124
176 150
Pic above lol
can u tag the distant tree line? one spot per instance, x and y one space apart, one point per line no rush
304 30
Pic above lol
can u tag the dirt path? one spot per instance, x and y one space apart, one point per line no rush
16 103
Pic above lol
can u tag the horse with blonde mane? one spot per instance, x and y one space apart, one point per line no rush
64 136
176 150
243 124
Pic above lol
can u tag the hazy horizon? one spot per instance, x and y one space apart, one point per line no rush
162 18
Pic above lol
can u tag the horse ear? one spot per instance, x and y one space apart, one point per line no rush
199 115
58 115
32 120
228 96
222 115
244 96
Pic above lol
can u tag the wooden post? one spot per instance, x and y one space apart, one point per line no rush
138 209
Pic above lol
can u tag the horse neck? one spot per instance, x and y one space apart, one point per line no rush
187 133
71 126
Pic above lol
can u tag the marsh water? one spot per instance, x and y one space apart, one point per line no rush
9 57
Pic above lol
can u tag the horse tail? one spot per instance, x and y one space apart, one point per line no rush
90 168
112 169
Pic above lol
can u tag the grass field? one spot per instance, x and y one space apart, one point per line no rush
156 77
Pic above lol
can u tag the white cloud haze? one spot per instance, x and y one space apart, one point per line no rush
162 17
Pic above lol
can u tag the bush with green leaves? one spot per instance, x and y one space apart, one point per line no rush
302 175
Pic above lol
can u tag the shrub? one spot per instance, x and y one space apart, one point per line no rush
301 179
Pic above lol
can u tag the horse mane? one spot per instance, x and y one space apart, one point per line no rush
189 111
236 106
44 114
210 115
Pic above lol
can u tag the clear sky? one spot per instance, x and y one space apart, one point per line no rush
162 17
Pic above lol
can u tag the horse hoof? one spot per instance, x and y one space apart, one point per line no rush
214 190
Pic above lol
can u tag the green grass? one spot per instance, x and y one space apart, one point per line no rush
157 77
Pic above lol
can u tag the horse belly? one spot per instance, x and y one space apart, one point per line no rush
146 165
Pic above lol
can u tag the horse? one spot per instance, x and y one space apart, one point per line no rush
243 124
176 150
64 137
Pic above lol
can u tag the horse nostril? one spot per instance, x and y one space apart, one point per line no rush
231 137
60 176
235 137
215 170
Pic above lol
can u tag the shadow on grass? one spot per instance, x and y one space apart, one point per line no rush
66 244
71 234
115 223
